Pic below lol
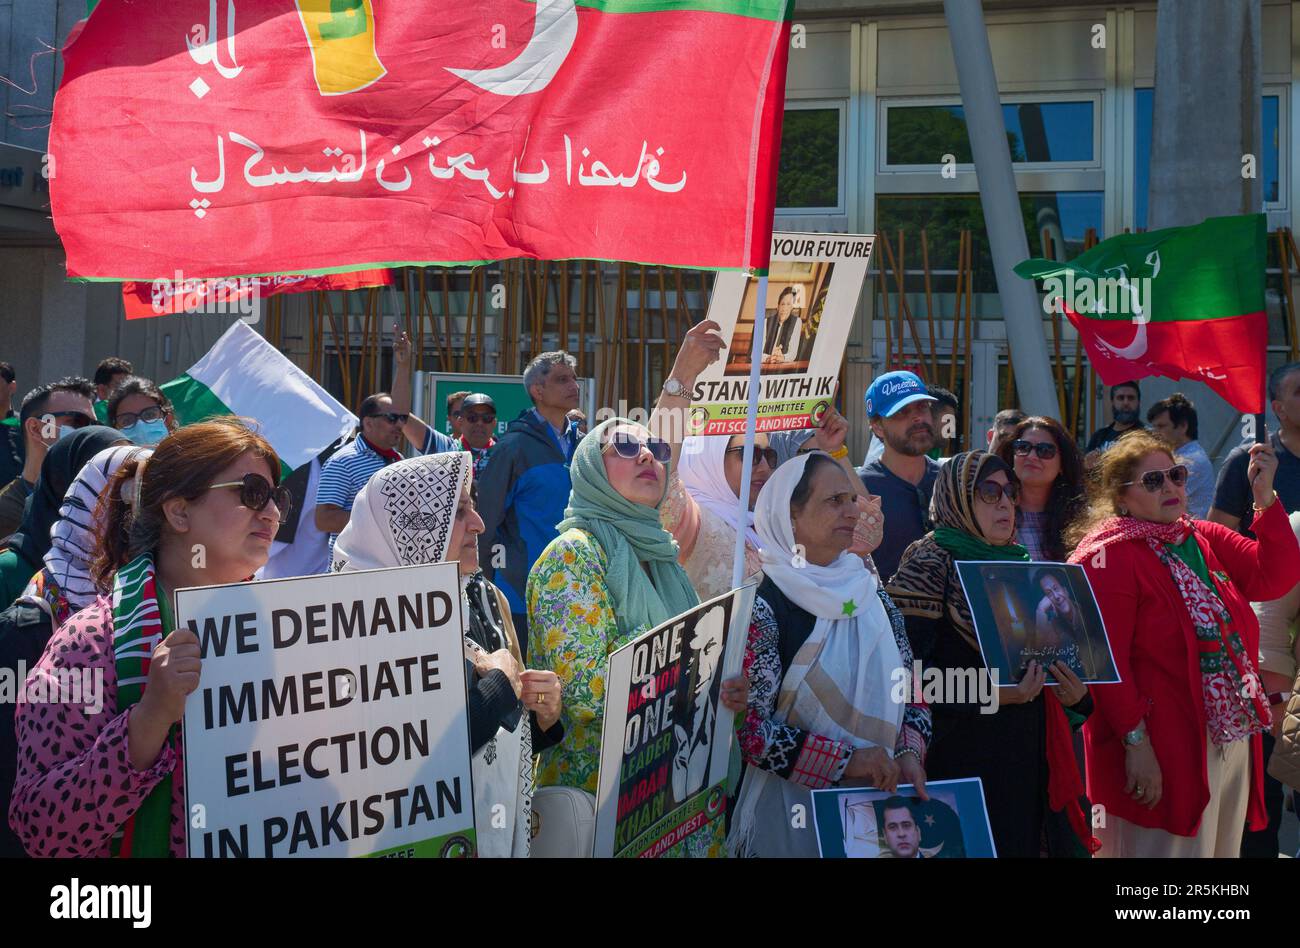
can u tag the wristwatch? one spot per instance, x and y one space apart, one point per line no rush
674 388
1135 737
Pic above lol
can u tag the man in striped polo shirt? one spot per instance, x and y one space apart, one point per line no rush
343 476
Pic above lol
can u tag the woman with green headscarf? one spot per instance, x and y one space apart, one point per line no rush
1023 750
610 575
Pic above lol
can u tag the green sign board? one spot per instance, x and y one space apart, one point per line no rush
507 391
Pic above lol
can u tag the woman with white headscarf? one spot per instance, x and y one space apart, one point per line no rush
702 513
825 652
421 511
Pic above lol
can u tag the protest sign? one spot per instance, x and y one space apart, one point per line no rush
1041 612
331 718
812 294
666 740
864 823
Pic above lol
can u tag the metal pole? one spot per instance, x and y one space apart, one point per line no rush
751 427
1021 307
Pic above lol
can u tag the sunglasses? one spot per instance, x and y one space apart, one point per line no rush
626 446
991 492
480 419
78 419
1154 480
1044 449
760 454
255 492
127 419
392 416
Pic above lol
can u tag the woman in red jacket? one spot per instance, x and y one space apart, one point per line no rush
1173 750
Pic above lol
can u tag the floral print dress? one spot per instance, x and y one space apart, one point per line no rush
572 632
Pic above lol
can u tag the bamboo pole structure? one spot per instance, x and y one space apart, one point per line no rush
449 328
967 382
884 306
929 305
340 348
1284 265
563 274
905 309
957 309
663 324
641 354
583 361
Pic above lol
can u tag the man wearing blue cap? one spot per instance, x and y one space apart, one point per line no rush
900 414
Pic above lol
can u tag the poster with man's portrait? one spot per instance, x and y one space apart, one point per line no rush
862 823
814 282
1043 612
666 739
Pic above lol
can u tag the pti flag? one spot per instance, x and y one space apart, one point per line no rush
243 374
229 296
1183 302
255 137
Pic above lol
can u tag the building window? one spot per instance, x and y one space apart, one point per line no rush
1064 218
810 173
1268 168
1039 132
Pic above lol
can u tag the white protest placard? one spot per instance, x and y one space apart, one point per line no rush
812 293
330 718
666 741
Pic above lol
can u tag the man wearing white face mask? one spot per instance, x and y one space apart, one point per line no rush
48 413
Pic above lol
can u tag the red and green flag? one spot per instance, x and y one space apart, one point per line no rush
228 138
1182 302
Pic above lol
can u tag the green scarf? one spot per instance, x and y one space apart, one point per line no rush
963 546
630 534
138 625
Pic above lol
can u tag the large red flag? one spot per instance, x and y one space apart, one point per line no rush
238 137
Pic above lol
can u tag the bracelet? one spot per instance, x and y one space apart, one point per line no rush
840 452
909 750
1258 509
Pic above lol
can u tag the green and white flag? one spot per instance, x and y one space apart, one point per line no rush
243 374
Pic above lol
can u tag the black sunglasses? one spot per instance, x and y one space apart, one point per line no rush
480 419
255 492
629 447
394 417
760 454
991 492
79 419
1044 449
153 413
1154 480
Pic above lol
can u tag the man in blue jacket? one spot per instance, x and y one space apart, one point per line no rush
524 489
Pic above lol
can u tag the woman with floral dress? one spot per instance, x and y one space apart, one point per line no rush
611 575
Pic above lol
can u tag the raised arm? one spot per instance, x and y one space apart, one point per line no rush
701 347
415 430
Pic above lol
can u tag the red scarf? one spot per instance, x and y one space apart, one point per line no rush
1120 529
388 454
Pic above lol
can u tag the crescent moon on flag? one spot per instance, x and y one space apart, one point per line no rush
555 28
1135 349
